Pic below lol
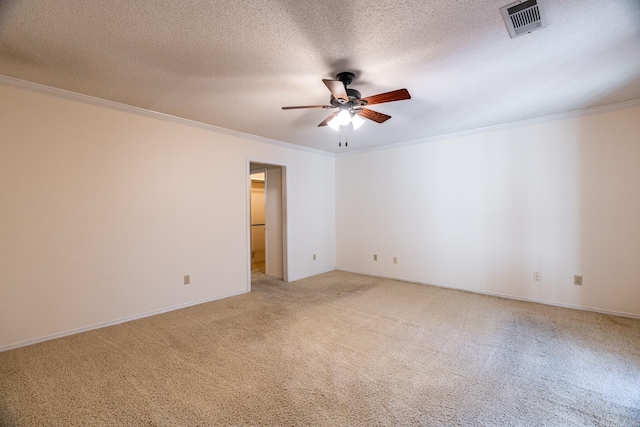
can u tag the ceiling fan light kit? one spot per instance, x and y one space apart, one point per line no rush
344 118
334 123
351 104
357 121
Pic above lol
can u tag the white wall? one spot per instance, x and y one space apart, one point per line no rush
484 211
102 212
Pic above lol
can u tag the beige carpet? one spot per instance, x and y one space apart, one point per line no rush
336 349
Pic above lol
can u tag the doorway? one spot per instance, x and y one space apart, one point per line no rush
267 221
258 225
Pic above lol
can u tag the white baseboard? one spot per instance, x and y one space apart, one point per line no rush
293 279
439 285
113 322
501 295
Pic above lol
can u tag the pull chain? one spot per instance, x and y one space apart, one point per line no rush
346 142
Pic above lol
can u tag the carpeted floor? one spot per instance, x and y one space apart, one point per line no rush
335 349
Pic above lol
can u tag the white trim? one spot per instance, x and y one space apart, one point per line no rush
88 99
500 295
284 217
306 276
521 123
92 100
115 322
181 306
248 227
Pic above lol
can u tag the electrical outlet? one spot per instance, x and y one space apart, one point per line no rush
395 259
375 257
314 257
577 280
187 279
536 276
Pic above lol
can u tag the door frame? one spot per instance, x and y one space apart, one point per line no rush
285 203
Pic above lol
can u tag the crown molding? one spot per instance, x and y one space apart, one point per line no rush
105 103
521 123
87 99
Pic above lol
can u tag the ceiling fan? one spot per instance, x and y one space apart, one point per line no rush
351 105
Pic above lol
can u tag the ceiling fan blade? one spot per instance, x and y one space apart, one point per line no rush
337 90
328 119
373 115
396 95
307 106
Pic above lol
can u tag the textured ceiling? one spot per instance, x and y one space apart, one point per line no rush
235 63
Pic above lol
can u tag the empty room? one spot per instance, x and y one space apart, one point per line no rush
327 213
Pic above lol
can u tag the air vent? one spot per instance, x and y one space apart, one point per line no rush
522 17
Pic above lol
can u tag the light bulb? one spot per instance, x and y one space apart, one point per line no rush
357 121
334 123
344 117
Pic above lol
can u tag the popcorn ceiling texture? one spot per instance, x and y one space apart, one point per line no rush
335 349
235 63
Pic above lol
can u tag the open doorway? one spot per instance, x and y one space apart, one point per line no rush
267 221
258 225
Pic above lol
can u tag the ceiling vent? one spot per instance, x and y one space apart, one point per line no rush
522 17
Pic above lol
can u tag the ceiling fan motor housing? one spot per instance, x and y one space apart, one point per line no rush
354 97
